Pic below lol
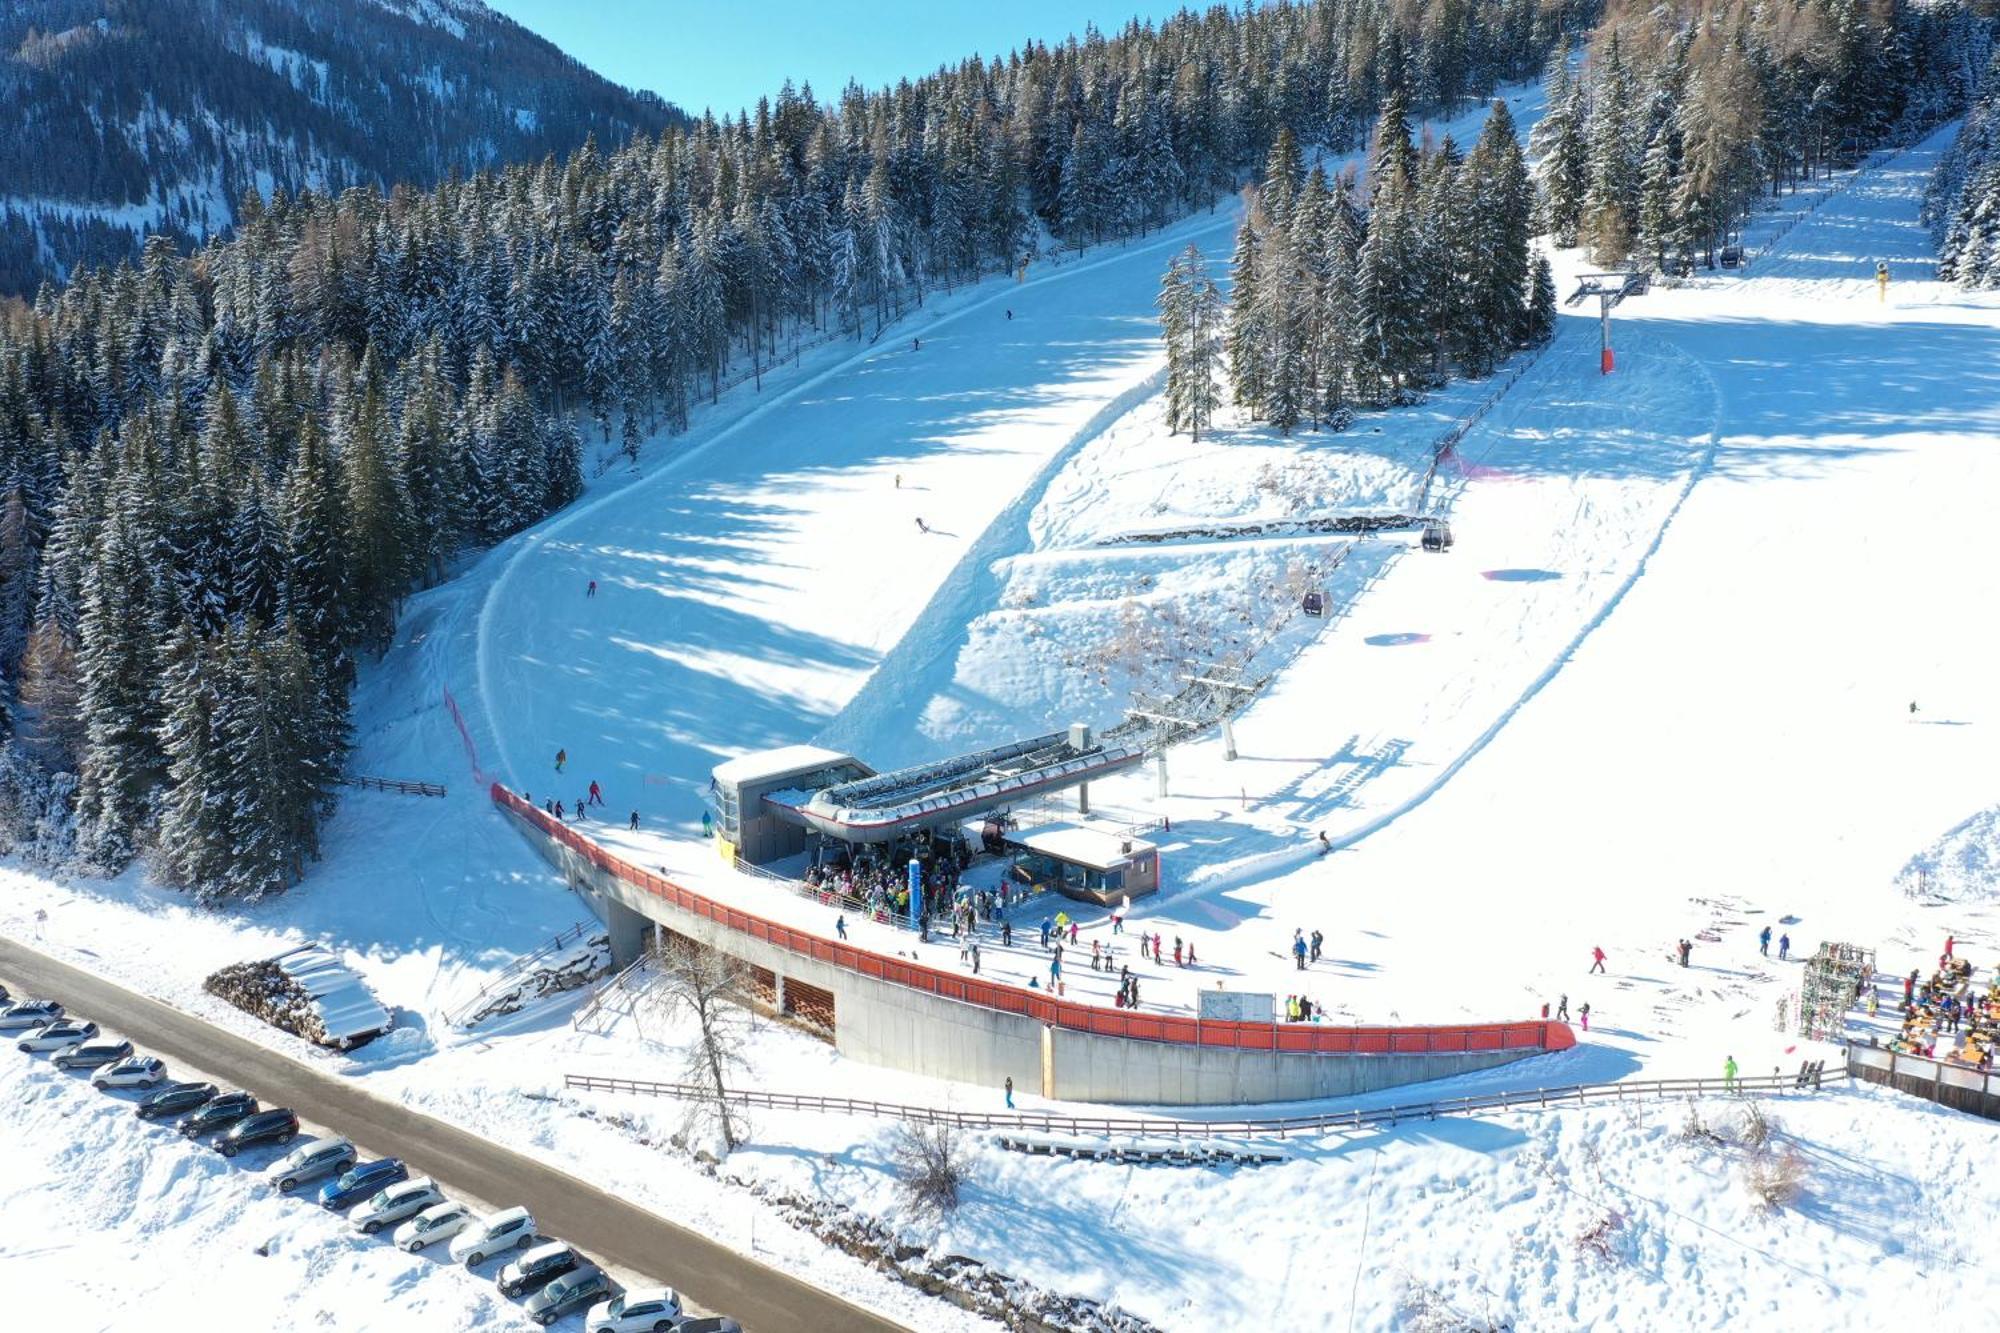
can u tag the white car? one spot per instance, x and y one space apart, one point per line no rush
404 1199
485 1237
63 1032
29 1014
651 1309
138 1071
433 1224
310 1161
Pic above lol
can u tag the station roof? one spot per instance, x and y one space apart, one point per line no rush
1092 845
786 760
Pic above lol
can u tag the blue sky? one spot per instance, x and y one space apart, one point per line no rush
724 56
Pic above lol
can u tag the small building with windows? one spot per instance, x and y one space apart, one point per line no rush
1088 862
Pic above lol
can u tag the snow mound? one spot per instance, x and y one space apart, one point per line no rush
1963 866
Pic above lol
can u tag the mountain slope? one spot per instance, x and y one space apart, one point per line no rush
135 115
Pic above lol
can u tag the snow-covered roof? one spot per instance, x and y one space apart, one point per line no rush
346 1007
1089 845
786 760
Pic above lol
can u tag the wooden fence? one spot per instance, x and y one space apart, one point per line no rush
392 784
1528 1099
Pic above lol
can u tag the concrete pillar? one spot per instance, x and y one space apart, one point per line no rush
1228 739
627 929
1082 798
1049 1061
1160 760
778 991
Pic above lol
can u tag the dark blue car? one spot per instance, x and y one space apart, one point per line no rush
361 1182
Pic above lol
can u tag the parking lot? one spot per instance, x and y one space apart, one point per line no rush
635 1247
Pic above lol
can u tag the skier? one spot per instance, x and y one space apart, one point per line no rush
1687 947
1583 1015
1950 943
1324 845
840 926
921 525
1190 953
915 343
1156 948
1764 942
1010 314
562 757
1047 926
591 590
1597 960
1299 952
1562 1009
1010 1092
1007 934
1096 957
975 958
596 794
1729 1073
1784 947
1913 708
635 821
1177 951
1317 940
559 809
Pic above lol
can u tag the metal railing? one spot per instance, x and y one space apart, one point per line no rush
618 983
456 1016
1526 1035
1527 1099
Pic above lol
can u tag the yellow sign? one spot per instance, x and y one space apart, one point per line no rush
725 849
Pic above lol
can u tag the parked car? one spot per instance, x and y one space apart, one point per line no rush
715 1323
91 1054
58 1034
438 1222
276 1126
537 1268
173 1099
392 1205
218 1113
640 1310
5 995
310 1161
29 1014
358 1182
134 1071
485 1237
580 1288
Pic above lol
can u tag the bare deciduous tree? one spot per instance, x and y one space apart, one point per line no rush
930 1160
707 986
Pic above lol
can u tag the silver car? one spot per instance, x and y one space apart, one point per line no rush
91 1054
54 1036
403 1199
310 1161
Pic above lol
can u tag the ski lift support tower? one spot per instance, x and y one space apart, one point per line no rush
1609 289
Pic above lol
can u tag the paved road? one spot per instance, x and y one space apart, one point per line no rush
618 1232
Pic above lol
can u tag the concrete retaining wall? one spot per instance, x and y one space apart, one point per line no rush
880 1023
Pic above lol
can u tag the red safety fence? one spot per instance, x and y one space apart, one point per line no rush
1302 1038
